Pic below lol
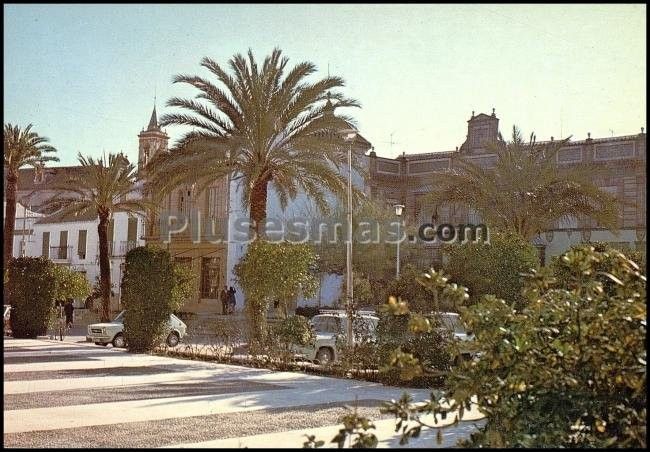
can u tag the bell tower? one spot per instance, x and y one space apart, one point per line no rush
152 141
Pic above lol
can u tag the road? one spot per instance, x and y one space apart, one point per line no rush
76 394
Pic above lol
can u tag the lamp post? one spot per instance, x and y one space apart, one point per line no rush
350 136
398 212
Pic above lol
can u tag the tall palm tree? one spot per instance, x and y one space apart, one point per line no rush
262 127
103 186
22 147
525 192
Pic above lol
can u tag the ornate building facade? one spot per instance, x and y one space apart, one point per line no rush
408 178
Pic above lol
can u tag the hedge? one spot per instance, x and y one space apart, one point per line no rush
32 291
153 287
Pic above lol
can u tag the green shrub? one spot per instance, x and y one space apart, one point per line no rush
419 299
567 371
152 288
32 291
70 284
492 269
271 272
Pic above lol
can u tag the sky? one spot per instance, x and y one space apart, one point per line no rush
86 75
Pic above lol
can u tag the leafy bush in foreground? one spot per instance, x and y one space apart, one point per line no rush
567 371
32 291
152 288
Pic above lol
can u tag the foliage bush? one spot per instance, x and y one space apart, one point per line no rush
569 370
358 358
271 272
152 288
283 335
431 349
419 299
32 291
492 269
70 284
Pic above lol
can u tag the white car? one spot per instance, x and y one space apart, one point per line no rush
113 332
327 326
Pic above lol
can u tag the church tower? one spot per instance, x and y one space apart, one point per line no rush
152 141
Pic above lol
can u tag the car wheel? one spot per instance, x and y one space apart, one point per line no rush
118 341
324 356
172 339
101 343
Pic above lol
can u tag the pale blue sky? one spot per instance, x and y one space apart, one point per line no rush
85 76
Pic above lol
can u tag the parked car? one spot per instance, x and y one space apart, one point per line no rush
330 325
113 332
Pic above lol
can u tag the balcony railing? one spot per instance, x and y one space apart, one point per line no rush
60 252
126 246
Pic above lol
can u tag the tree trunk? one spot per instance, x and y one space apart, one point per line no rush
104 266
258 205
10 223
10 216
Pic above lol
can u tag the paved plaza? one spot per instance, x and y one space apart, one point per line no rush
75 394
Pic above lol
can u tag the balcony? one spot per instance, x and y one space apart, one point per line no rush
61 253
126 246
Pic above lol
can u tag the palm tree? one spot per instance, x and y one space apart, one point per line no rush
103 187
262 128
525 192
22 147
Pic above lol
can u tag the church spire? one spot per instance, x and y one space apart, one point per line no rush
153 122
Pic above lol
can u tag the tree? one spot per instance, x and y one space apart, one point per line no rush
373 256
569 370
153 288
495 268
525 192
22 147
262 129
70 284
274 272
105 187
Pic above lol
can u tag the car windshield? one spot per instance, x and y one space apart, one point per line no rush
327 324
119 318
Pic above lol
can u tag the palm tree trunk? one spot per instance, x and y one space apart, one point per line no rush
104 267
258 204
10 220
10 216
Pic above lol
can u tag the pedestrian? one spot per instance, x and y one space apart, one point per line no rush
69 313
232 301
224 296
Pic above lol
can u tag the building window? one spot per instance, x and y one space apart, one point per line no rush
81 244
210 277
46 245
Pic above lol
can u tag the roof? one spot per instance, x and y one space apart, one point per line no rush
481 116
59 218
55 175
153 122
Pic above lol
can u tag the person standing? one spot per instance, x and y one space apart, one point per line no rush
224 296
232 301
69 313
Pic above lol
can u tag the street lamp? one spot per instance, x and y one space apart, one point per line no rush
350 136
398 212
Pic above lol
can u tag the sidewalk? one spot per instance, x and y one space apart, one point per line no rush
385 433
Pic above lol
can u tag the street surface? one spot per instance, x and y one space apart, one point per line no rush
77 394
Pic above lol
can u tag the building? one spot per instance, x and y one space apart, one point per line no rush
402 180
406 179
214 213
